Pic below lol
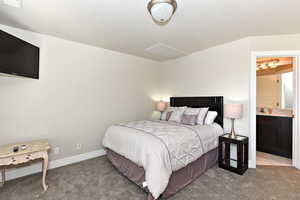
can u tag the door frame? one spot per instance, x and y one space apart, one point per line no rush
296 108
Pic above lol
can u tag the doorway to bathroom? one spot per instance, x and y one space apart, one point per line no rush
274 110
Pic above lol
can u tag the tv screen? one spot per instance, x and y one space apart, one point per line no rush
18 57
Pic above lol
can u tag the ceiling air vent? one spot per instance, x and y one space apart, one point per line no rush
165 52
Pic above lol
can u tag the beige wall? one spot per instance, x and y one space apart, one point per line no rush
275 43
80 86
81 91
222 70
268 91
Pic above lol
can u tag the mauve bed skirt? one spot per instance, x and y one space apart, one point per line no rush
178 180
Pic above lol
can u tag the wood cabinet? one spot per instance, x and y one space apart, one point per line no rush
274 135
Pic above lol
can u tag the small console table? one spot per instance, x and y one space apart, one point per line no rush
31 151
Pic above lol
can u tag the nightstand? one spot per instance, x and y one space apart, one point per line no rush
233 153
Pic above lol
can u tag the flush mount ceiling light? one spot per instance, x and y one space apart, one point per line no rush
162 10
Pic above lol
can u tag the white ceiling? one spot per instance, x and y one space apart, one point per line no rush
125 25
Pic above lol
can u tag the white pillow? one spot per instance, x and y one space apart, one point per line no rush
177 114
202 115
169 109
210 117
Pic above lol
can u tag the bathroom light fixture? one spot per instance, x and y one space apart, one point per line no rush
274 64
162 10
263 64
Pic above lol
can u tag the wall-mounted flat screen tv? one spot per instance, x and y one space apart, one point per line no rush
18 57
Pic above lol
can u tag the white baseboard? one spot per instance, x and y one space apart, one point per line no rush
252 164
36 168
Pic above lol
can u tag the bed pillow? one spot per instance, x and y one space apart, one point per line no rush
176 114
190 116
201 116
189 119
210 117
192 111
166 114
163 116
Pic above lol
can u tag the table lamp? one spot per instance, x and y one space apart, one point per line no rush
233 112
160 106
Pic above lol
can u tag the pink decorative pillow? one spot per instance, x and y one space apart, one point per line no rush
169 109
192 111
189 119
176 115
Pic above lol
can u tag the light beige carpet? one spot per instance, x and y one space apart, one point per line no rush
96 179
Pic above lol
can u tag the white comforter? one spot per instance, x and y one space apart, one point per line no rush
161 147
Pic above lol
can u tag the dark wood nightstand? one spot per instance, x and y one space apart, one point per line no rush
238 162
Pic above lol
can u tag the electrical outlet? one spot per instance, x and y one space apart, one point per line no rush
56 150
78 146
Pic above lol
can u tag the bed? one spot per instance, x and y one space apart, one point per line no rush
164 157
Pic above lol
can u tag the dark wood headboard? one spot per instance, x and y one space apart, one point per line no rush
214 104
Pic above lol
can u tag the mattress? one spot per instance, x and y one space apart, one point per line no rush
160 147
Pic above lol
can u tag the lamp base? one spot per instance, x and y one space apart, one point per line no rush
161 113
232 133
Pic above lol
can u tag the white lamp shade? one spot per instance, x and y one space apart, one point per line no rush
233 111
162 12
160 106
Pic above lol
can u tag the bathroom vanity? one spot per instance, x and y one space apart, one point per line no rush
274 134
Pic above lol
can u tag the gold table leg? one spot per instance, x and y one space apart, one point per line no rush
45 167
2 176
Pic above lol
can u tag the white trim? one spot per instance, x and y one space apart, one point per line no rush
36 168
252 113
296 136
251 164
